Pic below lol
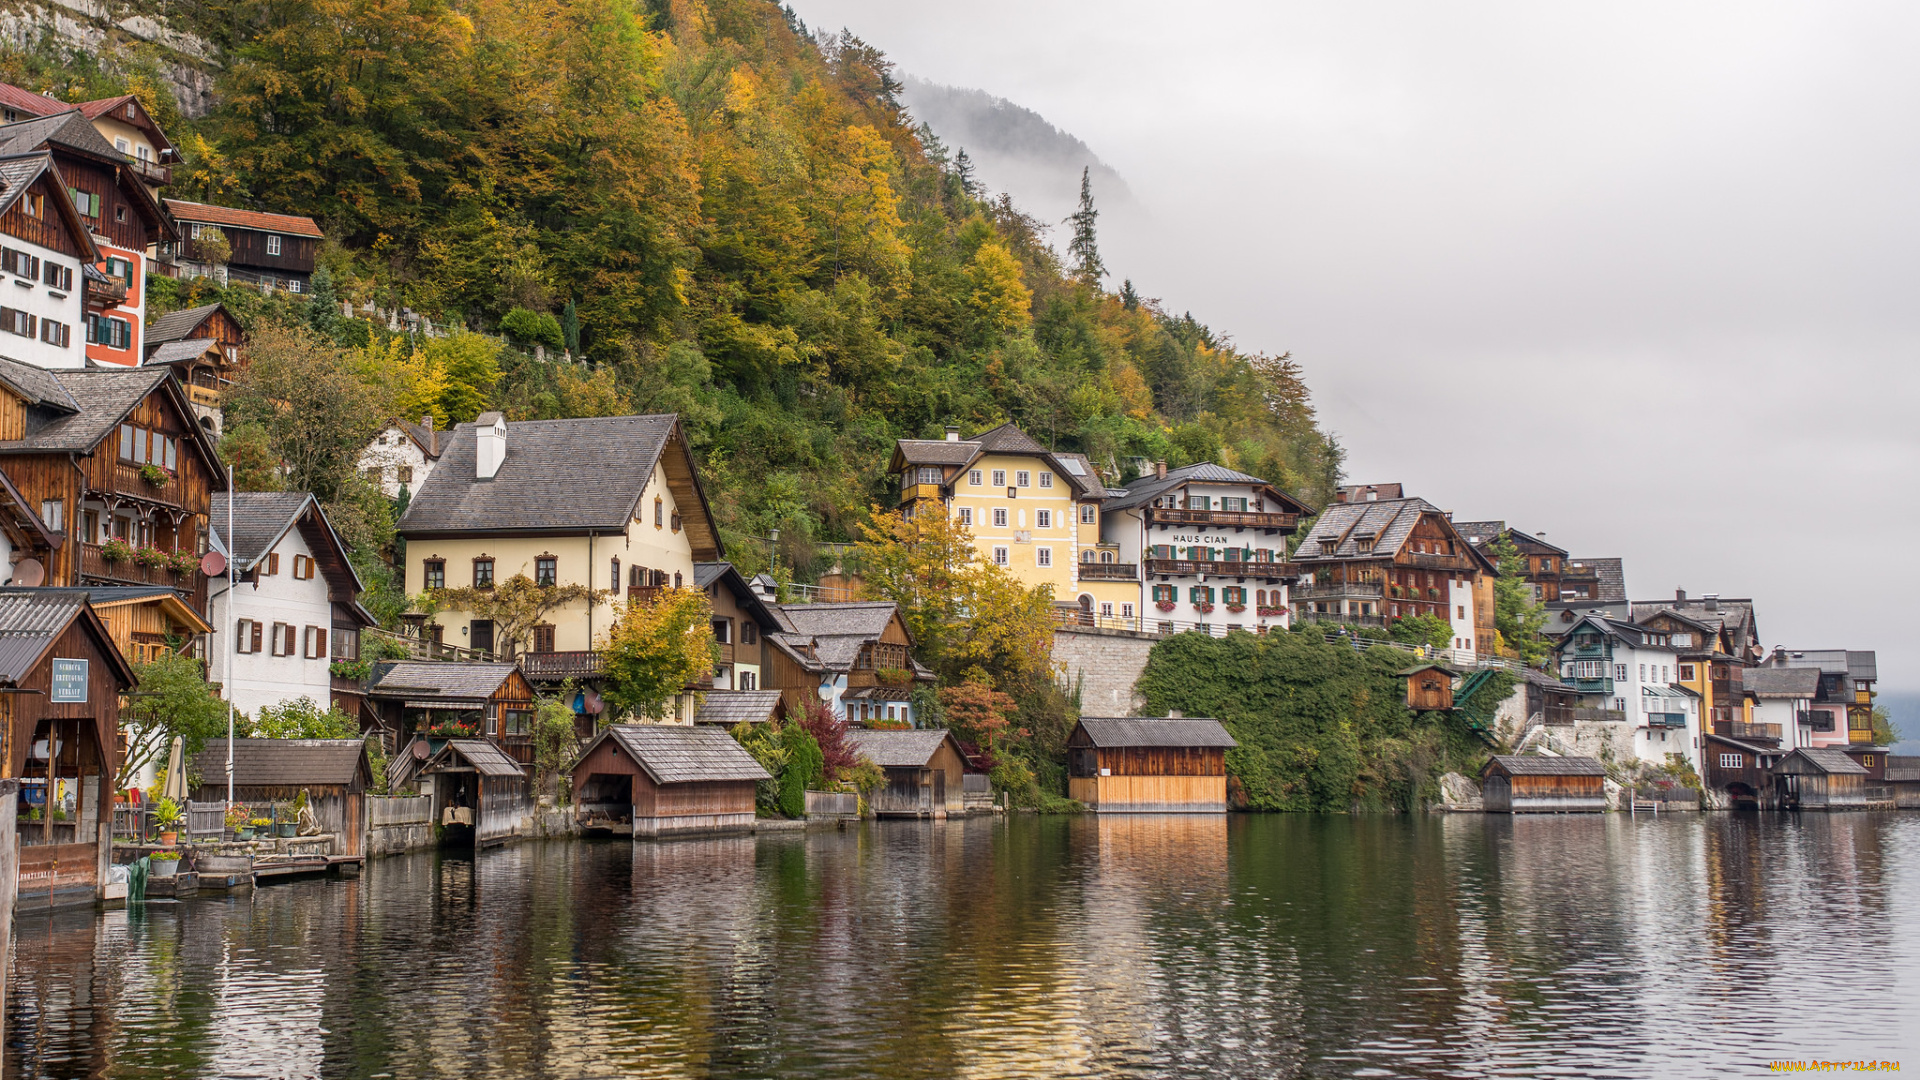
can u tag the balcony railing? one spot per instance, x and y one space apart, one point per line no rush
1599 714
555 666
1225 568
723 653
152 172
129 483
1736 729
1436 562
202 395
1337 590
95 564
1109 571
1232 519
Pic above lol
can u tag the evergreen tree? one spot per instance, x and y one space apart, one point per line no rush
1128 298
570 328
1083 251
323 305
963 168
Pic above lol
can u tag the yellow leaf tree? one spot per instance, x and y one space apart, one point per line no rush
657 649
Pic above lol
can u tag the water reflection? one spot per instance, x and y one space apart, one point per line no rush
1176 946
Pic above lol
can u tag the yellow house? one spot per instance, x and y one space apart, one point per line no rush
1031 510
613 503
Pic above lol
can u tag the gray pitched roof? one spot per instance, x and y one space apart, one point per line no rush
175 325
30 620
1389 522
897 749
453 682
1781 682
431 441
1610 576
672 754
172 352
559 476
865 618
17 174
260 519
486 758
730 707
70 129
1080 468
1541 765
1185 731
1830 760
103 397
937 451
282 762
1863 664
1008 439
36 385
1147 488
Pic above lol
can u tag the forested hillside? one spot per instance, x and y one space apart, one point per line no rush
726 215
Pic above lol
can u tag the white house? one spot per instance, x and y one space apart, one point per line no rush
293 609
403 456
45 249
1634 670
1784 696
1210 544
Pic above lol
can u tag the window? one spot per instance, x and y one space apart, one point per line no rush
483 572
1200 594
120 212
1046 479
616 574
20 263
273 244
973 477
282 644
271 564
246 636
1000 517
313 644
1233 505
543 638
1733 761
15 321
33 204
1043 519
722 631
1587 669
1643 673
966 516
1163 594
480 635
929 475
1686 673
999 556
1022 478
434 573
1866 761
1126 611
1043 556
749 680
1620 672
999 478
1233 595
546 570
302 568
1088 514
58 277
1106 610
659 512
113 333
1462 609
372 473
403 474
53 514
57 334
1199 502
86 202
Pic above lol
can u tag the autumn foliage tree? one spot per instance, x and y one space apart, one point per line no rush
656 649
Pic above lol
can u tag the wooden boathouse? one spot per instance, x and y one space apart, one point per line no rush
665 779
480 795
1819 778
1530 784
926 772
1149 766
334 774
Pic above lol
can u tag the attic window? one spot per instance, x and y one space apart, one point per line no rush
130 114
659 511
674 522
1363 544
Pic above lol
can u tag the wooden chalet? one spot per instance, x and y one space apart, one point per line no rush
926 772
480 796
417 700
1544 563
333 773
665 779
275 251
1511 784
856 656
113 459
145 621
1149 766
203 347
741 620
60 685
1820 778
122 119
1741 771
1429 687
1374 562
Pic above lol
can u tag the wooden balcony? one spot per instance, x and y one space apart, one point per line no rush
95 564
203 395
1454 563
129 484
556 666
1735 729
1224 519
1109 571
151 171
644 594
1271 571
914 492
723 653
1338 590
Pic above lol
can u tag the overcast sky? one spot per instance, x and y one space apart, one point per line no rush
1637 275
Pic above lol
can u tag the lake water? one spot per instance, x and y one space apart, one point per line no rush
1250 946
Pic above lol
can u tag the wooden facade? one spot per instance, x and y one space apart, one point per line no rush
925 770
1429 688
268 771
494 700
1820 779
1149 766
1740 770
1543 785
480 796
38 219
658 780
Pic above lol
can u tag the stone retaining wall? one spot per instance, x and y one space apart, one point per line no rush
1102 665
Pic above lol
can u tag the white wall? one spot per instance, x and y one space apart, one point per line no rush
262 678
391 451
33 296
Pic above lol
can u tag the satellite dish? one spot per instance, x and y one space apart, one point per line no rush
28 573
419 749
213 564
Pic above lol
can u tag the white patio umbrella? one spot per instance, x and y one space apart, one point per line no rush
176 786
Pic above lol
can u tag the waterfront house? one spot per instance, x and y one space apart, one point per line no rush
294 609
1153 766
1030 510
1903 781
272 251
1211 546
1512 784
1841 710
78 259
610 503
660 780
1738 772
480 795
926 771
60 685
1373 562
334 774
1627 673
741 620
1731 641
422 701
118 474
856 657
403 456
1782 697
1819 778
1542 563
725 708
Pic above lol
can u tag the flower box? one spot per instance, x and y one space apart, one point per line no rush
1236 608
1272 611
116 551
1204 608
150 557
1165 605
154 475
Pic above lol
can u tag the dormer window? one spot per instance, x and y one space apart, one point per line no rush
1364 544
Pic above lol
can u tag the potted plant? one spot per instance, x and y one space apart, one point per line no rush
183 563
1165 605
155 475
116 550
236 820
261 825
1205 608
166 814
150 557
163 864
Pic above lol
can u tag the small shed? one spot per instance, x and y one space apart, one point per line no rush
1429 688
1820 778
1149 766
725 708
1530 784
334 773
659 779
926 772
1903 781
480 795
456 700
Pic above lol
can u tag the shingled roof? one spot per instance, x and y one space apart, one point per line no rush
486 758
673 754
75 409
69 130
285 762
1830 761
447 682
173 352
1107 733
1147 488
1541 765
260 519
898 749
176 325
1389 522
1781 682
20 171
236 218
32 619
729 707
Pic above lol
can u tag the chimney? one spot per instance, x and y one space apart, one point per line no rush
953 433
1713 601
1679 596
1159 470
433 437
489 445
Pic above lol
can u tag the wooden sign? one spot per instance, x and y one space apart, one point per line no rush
69 682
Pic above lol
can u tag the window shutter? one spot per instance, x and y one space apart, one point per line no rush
254 630
240 636
290 639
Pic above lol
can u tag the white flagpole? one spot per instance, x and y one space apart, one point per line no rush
234 628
